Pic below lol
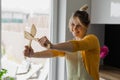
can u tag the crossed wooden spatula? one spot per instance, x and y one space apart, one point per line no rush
31 36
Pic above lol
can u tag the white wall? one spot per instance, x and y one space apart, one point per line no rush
99 31
105 11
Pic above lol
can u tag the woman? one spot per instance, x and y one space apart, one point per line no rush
81 54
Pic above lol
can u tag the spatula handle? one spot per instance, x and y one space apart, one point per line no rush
30 43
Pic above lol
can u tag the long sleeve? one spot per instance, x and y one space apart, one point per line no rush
48 54
90 51
58 53
87 43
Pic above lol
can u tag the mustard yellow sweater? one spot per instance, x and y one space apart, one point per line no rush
90 51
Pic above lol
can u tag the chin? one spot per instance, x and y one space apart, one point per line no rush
76 36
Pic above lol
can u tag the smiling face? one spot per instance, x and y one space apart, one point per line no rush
77 28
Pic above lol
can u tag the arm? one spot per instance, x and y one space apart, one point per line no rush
66 46
48 54
87 43
29 52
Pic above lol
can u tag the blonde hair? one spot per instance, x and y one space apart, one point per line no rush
84 7
82 15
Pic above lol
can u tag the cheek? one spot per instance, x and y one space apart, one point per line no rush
70 29
83 32
79 30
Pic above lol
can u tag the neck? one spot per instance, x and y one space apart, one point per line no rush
78 38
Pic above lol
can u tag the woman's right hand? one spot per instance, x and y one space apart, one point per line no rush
28 51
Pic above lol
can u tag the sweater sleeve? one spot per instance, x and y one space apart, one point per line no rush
58 53
89 42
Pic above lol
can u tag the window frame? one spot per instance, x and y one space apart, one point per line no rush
53 32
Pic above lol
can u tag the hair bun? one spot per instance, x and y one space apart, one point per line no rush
84 7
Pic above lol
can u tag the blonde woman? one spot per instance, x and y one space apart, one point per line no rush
81 54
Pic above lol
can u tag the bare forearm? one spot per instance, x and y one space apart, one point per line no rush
43 54
66 46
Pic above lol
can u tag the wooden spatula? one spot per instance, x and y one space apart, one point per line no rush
33 33
33 30
30 36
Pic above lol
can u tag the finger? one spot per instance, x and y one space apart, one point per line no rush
31 52
26 46
41 38
45 44
42 42
47 41
26 53
45 37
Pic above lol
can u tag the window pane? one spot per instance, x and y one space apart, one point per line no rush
17 18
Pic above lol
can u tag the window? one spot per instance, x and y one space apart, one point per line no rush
17 18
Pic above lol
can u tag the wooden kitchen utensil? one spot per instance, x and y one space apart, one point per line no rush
30 36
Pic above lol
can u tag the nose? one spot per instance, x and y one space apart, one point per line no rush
75 27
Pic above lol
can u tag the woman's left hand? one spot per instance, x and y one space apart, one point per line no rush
44 42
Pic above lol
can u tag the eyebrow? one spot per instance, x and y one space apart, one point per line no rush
77 24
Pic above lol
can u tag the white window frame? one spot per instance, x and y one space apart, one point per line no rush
0 43
53 32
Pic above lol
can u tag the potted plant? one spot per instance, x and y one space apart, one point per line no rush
2 72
